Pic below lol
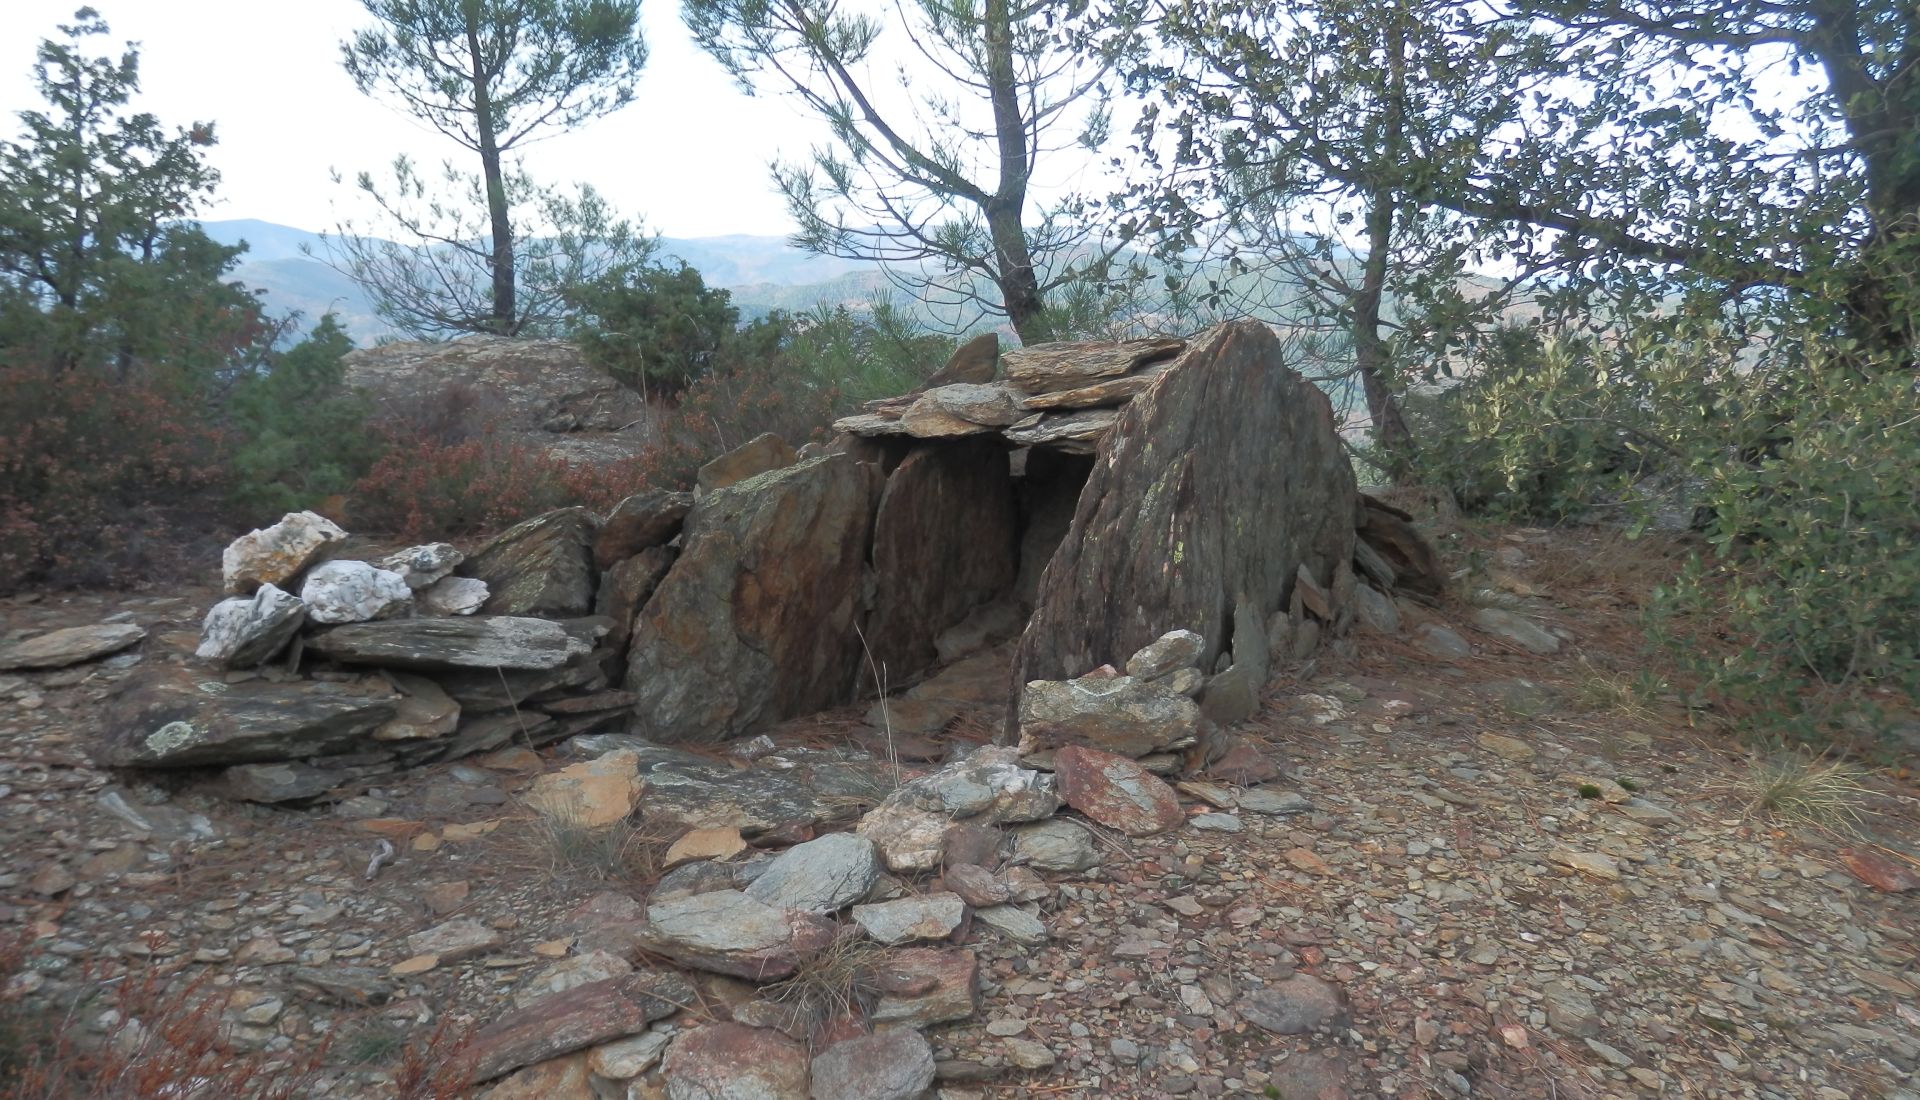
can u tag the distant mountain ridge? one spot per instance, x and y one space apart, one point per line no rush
763 273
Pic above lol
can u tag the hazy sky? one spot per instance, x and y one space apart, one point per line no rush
689 155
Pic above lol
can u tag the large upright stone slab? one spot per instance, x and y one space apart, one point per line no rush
946 539
1215 485
755 622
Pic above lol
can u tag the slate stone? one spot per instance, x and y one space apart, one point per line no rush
820 876
1120 714
1116 792
541 567
171 717
895 1064
482 642
762 453
576 1019
640 522
731 1061
250 630
69 646
1298 1005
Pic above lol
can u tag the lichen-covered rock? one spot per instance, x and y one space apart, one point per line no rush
755 622
756 456
172 717
1173 650
639 522
249 630
541 567
423 566
277 554
354 592
727 932
820 876
1119 714
453 596
734 1062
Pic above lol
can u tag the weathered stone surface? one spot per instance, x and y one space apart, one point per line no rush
1295 1006
1045 368
1225 477
175 718
727 932
895 1064
1170 651
1375 611
1014 923
566 1078
1880 872
543 566
249 630
589 794
641 521
922 986
571 973
992 405
425 710
907 839
973 361
1119 714
354 592
454 940
484 642
1116 792
869 425
290 782
423 566
926 917
1074 432
625 1059
482 690
1230 697
70 646
986 787
1055 845
1442 642
721 843
453 596
756 456
755 622
277 554
1517 629
820 876
984 626
1391 535
735 1062
699 794
976 885
574 1020
1112 391
945 540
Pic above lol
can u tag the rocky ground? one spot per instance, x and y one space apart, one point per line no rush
1426 903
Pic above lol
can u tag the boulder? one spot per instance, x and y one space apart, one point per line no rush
727 932
249 630
576 1019
639 522
755 622
1375 611
542 567
174 718
453 596
69 646
945 540
277 554
895 1064
1119 714
1224 477
820 876
907 839
1116 792
1057 845
354 592
423 566
734 1062
483 642
756 456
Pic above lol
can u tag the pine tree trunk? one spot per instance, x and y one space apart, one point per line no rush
1013 263
502 319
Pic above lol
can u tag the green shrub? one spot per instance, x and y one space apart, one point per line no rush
300 437
657 329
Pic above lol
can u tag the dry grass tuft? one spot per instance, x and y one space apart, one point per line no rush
841 981
1629 696
631 851
1810 790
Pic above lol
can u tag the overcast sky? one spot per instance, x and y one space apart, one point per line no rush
689 155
